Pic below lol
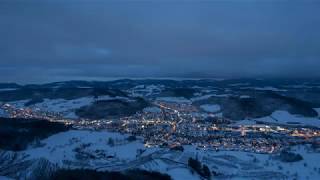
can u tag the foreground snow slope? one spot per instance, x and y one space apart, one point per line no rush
284 118
63 146
95 150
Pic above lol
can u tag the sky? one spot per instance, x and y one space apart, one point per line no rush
54 40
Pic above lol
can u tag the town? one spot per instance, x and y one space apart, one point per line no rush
172 124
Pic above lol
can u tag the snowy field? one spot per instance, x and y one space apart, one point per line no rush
235 165
64 146
174 99
152 109
213 108
144 91
185 100
63 106
267 88
204 97
3 113
95 150
318 111
284 118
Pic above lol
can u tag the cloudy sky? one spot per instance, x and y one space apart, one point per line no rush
52 40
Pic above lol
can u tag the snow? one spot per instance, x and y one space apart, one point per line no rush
177 171
244 97
204 97
300 86
152 109
219 115
5 178
232 164
245 122
284 117
174 99
71 115
211 107
209 90
197 98
8 89
19 104
201 97
182 174
84 87
318 111
61 146
3 113
63 106
142 90
221 95
239 84
266 88
246 165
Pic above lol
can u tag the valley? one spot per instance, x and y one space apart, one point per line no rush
238 128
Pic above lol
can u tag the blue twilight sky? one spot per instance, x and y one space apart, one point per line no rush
52 40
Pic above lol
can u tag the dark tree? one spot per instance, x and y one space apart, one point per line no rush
178 148
206 171
195 165
202 170
132 138
110 142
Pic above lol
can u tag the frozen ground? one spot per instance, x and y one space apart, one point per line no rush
318 111
93 149
266 88
284 118
63 146
174 99
236 165
211 107
63 106
204 97
185 100
3 113
152 109
144 91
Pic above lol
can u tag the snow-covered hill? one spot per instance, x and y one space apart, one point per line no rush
114 152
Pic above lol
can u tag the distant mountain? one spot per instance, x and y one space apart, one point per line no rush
9 85
297 96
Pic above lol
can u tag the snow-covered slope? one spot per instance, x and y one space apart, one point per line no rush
69 145
284 117
63 106
174 99
95 150
145 91
211 107
3 113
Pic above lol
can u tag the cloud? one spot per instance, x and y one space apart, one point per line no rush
69 39
75 52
